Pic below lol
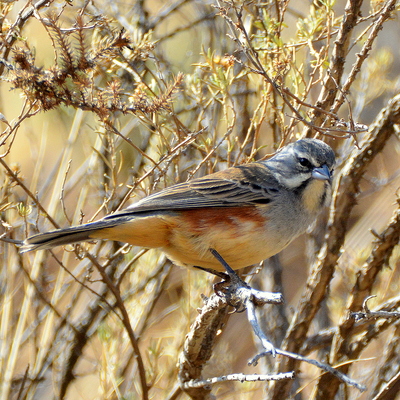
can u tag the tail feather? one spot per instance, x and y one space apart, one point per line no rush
61 237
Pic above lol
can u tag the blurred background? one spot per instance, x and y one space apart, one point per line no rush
103 103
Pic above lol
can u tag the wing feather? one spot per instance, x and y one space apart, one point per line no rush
222 189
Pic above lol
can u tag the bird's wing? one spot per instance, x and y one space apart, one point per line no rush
249 184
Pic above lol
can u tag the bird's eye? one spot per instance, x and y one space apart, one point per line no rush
305 163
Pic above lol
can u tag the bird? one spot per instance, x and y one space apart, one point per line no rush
246 213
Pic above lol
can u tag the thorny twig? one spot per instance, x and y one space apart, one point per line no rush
238 377
258 331
366 313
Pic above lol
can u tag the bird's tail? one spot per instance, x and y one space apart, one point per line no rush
64 236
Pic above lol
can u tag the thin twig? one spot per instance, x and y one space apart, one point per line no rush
126 321
238 378
267 345
384 14
28 192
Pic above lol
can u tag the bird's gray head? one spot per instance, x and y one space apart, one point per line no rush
298 162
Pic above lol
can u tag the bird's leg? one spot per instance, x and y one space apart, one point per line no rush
229 287
221 288
233 276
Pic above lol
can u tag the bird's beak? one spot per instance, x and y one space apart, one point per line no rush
322 173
